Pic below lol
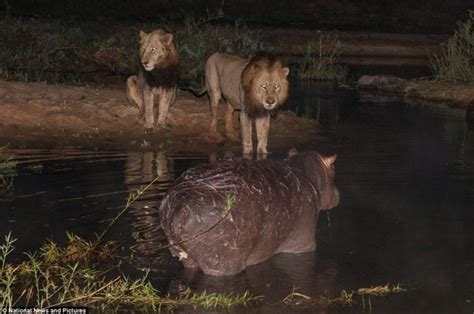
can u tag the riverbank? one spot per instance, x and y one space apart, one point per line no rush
36 115
453 94
457 95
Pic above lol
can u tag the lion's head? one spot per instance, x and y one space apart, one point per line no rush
265 84
157 49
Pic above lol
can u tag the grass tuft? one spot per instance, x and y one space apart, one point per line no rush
456 62
321 59
75 275
344 299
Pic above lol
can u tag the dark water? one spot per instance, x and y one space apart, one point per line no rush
406 176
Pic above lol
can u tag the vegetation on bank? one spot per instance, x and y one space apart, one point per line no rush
197 39
62 51
85 274
456 62
345 299
321 59
71 51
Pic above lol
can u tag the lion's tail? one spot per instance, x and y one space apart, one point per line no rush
187 87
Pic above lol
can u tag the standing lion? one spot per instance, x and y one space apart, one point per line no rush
157 78
256 86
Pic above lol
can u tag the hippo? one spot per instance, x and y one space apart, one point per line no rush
223 217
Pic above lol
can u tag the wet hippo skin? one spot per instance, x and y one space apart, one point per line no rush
224 217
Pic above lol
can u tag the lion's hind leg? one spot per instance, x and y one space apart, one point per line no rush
134 95
213 135
231 133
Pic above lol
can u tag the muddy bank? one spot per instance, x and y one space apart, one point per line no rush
458 95
36 115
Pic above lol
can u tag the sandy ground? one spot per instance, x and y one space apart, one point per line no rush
35 115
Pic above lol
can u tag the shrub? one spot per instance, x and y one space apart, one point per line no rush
320 59
456 62
198 39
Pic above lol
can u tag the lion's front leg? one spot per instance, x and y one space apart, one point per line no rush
262 125
246 131
165 101
148 99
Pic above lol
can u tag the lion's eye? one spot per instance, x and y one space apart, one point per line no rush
264 87
277 87
153 49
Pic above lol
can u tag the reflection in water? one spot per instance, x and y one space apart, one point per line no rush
140 170
406 177
318 102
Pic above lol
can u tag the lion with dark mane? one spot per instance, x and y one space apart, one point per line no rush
157 77
256 86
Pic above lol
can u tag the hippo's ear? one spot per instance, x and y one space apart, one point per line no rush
329 161
292 152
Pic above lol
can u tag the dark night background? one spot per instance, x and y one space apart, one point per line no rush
436 16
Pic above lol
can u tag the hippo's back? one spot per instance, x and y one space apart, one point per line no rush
230 210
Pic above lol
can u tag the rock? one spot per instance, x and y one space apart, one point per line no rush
382 82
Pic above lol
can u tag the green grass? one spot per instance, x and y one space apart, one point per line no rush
456 61
321 60
35 168
229 203
8 165
55 276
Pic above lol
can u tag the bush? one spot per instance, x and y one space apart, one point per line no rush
456 62
66 51
320 59
198 39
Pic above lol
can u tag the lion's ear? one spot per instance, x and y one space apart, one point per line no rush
167 39
256 68
142 35
285 71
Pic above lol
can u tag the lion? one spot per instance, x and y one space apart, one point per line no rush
256 86
157 77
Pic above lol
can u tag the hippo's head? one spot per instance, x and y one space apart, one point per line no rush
320 171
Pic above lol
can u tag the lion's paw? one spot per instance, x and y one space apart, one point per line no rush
163 126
